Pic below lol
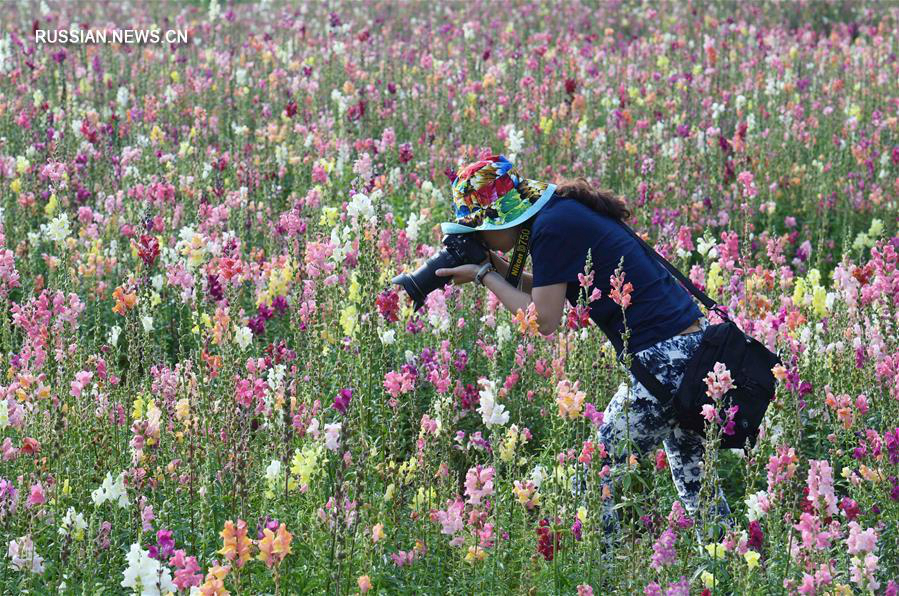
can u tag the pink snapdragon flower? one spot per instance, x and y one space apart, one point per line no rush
186 570
864 572
450 519
859 540
820 487
397 383
479 483
664 552
747 180
36 496
82 379
718 381
781 467
620 292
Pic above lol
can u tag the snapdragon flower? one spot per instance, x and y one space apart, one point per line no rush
73 524
491 412
112 491
332 436
23 555
146 575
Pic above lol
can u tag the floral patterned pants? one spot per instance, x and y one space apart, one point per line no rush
639 414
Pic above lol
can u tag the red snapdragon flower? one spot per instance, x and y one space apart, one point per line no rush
148 249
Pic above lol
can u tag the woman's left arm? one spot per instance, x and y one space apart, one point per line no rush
548 300
511 297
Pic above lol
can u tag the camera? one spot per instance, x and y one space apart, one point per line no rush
459 249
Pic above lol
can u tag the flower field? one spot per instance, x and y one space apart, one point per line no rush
209 385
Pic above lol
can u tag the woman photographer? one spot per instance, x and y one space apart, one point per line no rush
665 323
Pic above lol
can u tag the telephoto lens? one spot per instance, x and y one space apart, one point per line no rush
459 249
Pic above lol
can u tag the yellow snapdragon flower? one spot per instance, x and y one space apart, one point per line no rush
304 464
328 217
423 497
546 125
348 318
714 279
137 411
819 301
752 558
182 409
716 550
407 470
52 204
475 555
355 287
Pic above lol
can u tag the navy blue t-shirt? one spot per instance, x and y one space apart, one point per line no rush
561 234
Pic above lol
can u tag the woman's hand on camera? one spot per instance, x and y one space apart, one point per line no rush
461 274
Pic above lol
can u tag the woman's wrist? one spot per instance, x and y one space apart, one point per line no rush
486 275
485 269
501 265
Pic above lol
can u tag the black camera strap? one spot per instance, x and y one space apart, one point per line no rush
674 271
519 254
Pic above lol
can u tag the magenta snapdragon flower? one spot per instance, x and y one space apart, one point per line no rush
342 400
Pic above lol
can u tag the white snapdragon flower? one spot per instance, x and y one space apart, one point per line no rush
538 475
757 505
58 229
492 413
114 335
214 10
387 336
146 575
121 97
275 376
515 141
6 64
361 209
707 247
503 333
112 490
273 471
243 336
332 436
73 523
412 227
342 105
281 155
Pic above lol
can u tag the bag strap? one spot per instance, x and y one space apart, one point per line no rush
640 372
689 285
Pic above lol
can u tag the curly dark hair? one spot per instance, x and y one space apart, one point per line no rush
599 199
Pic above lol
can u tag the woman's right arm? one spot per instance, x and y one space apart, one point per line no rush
502 267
